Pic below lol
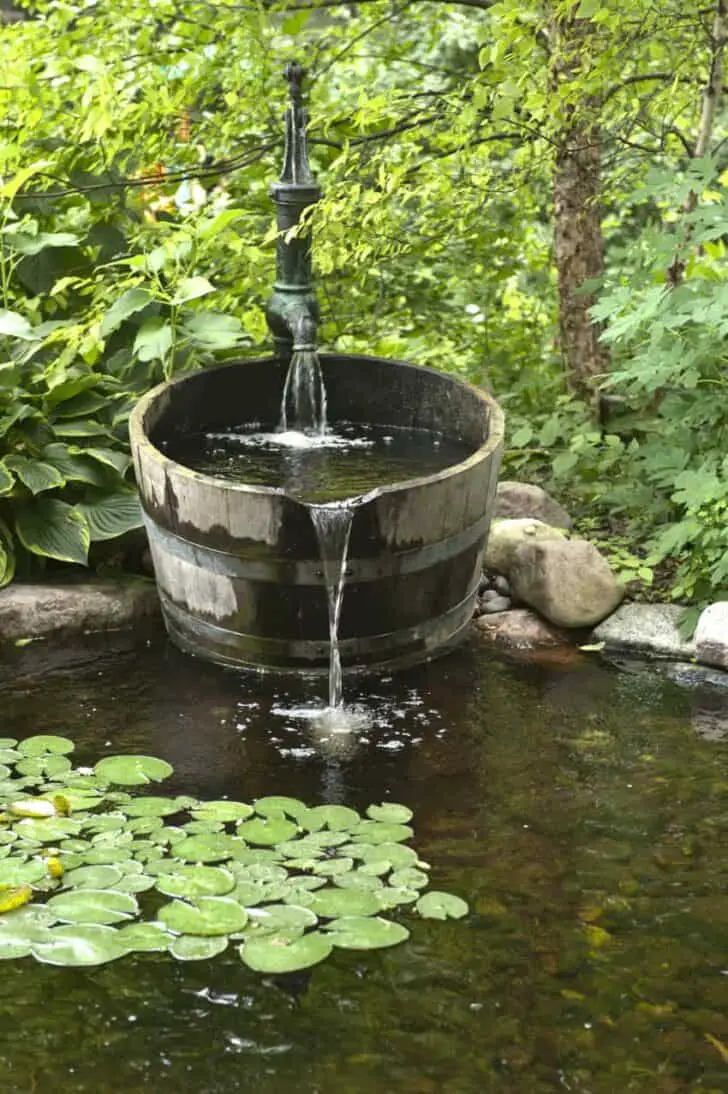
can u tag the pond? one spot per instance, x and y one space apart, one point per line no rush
580 809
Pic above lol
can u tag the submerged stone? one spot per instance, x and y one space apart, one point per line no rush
520 629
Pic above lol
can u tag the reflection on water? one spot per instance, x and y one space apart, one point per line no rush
576 807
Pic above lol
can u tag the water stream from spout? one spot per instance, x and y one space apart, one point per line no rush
333 528
303 406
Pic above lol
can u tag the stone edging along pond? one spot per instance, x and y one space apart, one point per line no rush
540 590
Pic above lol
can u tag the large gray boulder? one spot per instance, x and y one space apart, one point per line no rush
34 611
711 635
567 581
506 536
514 500
646 628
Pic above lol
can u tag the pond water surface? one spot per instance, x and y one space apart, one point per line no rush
581 810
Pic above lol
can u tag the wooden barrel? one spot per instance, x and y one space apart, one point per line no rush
238 566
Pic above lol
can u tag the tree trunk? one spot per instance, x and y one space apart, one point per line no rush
578 240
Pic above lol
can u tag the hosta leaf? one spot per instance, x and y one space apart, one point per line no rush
111 515
195 881
208 915
53 529
277 954
365 933
132 770
94 906
74 467
79 945
436 905
7 479
35 474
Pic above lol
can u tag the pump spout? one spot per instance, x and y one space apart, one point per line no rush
293 310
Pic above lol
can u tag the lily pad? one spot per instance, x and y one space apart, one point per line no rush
331 867
92 877
48 829
248 893
80 945
224 811
145 937
389 897
209 915
43 743
334 903
188 947
152 806
337 817
390 813
277 954
135 883
409 878
396 854
195 881
274 804
377 832
365 933
213 847
8 742
357 879
32 807
132 770
436 905
14 871
101 906
266 831
280 916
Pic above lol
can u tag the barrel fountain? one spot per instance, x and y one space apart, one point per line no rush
256 574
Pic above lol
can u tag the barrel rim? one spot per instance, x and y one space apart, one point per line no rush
140 441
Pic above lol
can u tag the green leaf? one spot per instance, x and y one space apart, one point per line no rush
280 917
72 466
40 744
54 529
7 479
208 915
389 813
15 325
102 906
195 881
130 302
222 811
365 933
33 245
213 330
111 515
154 339
278 803
336 817
7 552
409 878
191 288
333 903
132 770
92 877
267 831
436 905
80 427
194 948
35 474
145 937
278 954
153 806
80 945
205 848
388 897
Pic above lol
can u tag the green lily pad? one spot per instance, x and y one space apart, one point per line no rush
14 871
213 847
135 883
8 742
327 838
48 765
274 804
389 897
5 771
371 831
43 743
277 954
152 806
248 893
249 855
209 915
280 916
224 811
203 827
266 831
78 945
331 867
144 826
92 877
188 947
436 905
19 931
409 878
334 903
396 854
101 906
32 807
337 817
107 856
132 770
194 881
390 813
145 937
299 849
357 879
47 829
365 933
260 871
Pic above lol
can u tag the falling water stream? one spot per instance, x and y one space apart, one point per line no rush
333 528
304 396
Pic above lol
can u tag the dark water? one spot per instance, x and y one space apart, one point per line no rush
583 812
351 462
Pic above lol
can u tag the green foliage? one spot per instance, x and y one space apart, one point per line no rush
82 865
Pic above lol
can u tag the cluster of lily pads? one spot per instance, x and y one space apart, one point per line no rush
91 869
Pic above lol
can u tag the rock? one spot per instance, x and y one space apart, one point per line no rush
521 499
496 604
483 584
506 536
645 628
33 611
502 585
489 594
711 635
520 629
567 581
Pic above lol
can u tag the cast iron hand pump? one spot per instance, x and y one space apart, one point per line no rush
293 311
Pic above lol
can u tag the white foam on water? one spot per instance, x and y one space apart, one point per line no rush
290 438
